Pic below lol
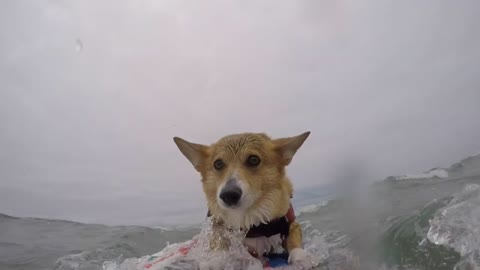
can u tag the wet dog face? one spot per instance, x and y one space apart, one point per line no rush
239 170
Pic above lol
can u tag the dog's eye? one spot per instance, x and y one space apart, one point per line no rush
218 164
253 161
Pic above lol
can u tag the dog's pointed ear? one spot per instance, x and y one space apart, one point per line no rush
287 147
195 153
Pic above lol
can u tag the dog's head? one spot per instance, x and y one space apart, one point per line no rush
244 171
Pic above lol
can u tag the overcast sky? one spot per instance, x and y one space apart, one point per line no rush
92 92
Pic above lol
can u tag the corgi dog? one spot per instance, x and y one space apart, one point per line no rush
245 184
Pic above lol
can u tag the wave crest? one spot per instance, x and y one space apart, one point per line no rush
457 225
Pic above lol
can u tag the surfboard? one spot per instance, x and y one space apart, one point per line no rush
175 253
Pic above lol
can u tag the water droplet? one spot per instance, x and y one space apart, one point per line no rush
78 45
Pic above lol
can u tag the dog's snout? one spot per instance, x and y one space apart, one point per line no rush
230 195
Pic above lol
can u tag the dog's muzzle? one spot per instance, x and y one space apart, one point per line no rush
231 193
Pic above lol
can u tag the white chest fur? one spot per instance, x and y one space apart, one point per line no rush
264 244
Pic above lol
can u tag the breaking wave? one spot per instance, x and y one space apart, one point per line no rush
312 208
457 226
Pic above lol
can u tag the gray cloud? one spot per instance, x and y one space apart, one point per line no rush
391 83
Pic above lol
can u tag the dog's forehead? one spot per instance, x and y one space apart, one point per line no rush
237 142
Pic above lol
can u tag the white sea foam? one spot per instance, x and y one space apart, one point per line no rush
458 226
312 208
201 256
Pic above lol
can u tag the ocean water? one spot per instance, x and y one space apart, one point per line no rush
430 221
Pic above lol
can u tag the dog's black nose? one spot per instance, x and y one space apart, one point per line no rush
231 195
